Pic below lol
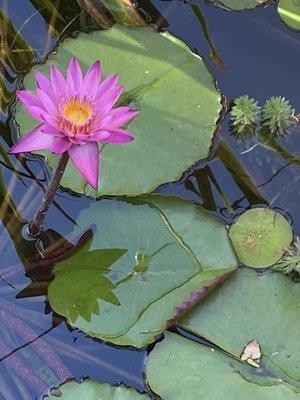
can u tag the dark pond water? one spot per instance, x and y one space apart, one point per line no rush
261 58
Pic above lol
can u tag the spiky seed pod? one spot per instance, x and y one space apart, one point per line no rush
291 261
278 115
242 134
245 115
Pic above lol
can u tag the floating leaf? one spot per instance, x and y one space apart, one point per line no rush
252 305
173 89
289 11
92 390
260 237
163 260
179 368
239 5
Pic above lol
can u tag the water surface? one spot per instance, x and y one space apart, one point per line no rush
260 57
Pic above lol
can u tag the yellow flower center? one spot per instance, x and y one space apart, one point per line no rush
77 112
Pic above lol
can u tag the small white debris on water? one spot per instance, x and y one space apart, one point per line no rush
146 72
251 352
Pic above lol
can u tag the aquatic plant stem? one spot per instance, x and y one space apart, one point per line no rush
35 227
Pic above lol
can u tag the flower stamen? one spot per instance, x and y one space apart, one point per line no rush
76 116
76 111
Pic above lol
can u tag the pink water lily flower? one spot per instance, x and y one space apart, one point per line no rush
75 113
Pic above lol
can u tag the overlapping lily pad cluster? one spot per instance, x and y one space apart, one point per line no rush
154 261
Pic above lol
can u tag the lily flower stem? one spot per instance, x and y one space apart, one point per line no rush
35 227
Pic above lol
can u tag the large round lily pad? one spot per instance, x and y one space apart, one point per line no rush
289 11
171 86
150 259
179 368
260 237
93 390
253 306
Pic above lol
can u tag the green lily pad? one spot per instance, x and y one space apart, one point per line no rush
171 86
151 259
239 5
260 237
289 11
93 390
253 306
179 368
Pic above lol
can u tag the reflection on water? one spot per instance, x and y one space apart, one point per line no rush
260 57
35 356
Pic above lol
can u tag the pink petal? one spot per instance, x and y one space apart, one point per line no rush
86 160
49 120
113 113
34 140
110 97
46 128
109 83
74 76
60 145
77 141
28 98
36 113
71 77
98 136
119 136
58 82
47 102
44 84
119 117
92 79
105 106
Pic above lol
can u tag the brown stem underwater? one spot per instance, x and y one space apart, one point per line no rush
35 227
